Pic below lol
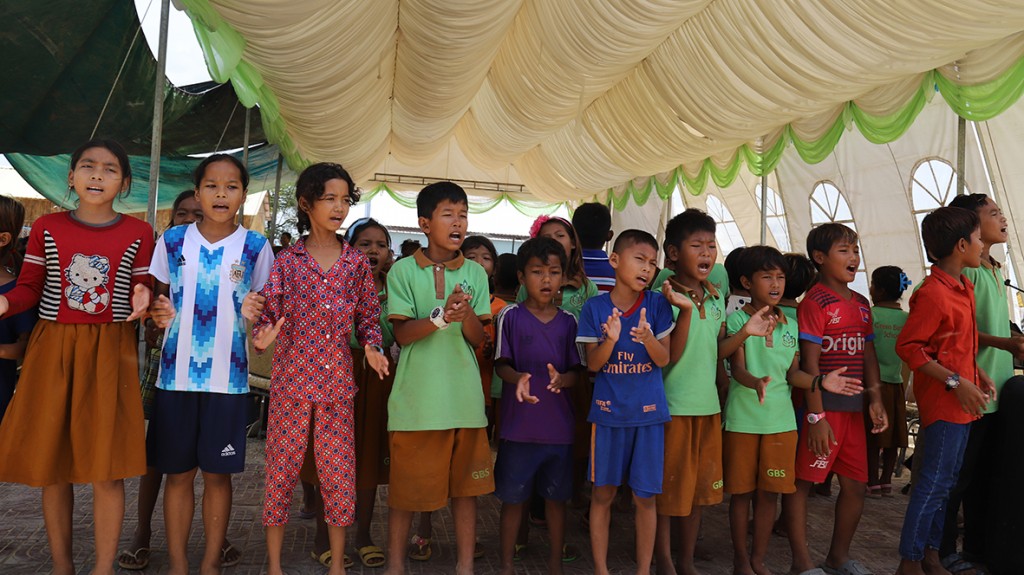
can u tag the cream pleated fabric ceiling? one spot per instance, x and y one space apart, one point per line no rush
573 98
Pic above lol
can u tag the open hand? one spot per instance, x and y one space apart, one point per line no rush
556 380
378 362
141 296
266 335
681 301
162 311
879 420
252 306
523 390
642 332
835 382
612 327
762 323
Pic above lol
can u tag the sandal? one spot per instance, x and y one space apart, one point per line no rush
371 556
478 550
229 555
957 565
569 553
421 550
325 559
134 561
874 491
518 552
886 490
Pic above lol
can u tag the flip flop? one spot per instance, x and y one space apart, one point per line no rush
326 559
569 553
421 550
306 514
851 567
478 551
518 552
371 556
229 555
136 561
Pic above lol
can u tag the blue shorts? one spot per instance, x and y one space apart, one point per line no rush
522 467
190 429
633 455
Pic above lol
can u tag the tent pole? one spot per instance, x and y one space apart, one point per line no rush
764 209
158 114
245 160
961 147
277 200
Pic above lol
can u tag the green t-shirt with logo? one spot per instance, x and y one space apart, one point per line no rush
888 324
743 412
993 317
718 278
690 385
437 381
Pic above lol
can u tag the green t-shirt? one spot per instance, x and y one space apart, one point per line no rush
993 317
790 312
573 298
718 278
387 331
743 412
437 381
888 324
690 385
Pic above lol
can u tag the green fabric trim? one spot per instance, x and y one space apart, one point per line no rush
224 50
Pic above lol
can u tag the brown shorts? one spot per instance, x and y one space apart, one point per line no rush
766 462
894 400
428 467
693 464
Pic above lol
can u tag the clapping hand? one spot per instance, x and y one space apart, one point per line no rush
642 332
162 311
457 308
523 390
612 327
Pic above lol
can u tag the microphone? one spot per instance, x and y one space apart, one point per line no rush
1010 285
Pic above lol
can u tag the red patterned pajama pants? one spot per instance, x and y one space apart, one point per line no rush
333 449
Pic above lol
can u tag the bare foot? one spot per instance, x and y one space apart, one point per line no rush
664 566
742 567
759 567
909 568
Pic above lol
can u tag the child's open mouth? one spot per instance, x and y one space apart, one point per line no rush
643 279
455 237
221 207
373 262
851 269
774 294
94 189
704 268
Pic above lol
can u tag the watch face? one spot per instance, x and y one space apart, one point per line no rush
436 313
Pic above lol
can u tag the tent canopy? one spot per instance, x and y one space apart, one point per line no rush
572 99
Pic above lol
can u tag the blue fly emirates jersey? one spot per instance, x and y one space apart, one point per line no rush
629 390
205 345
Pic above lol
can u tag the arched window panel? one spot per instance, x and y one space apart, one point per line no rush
776 219
932 185
728 234
829 205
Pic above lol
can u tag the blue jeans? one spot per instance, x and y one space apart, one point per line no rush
943 453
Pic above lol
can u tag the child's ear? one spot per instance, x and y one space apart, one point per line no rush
5 239
424 224
303 205
745 282
818 256
613 259
672 253
522 277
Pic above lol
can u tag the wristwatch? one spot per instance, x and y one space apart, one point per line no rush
437 318
953 382
813 418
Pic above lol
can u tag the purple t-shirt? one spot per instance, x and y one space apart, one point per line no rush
530 345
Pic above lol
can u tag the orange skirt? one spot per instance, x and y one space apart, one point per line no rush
77 414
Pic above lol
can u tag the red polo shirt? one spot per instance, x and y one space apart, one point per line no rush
941 327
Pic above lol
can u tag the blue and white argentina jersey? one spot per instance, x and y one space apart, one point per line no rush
205 345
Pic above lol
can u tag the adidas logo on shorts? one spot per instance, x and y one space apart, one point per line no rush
228 451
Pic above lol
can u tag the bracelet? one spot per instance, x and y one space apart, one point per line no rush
816 383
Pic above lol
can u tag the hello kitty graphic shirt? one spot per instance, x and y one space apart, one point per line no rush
79 273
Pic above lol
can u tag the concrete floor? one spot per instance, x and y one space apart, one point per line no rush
23 546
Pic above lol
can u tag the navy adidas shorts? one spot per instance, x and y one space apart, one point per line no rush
190 429
630 455
523 467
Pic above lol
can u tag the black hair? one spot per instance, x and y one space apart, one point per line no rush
181 197
684 225
311 184
630 238
973 202
197 175
822 238
732 268
505 279
761 258
283 234
541 248
409 247
888 282
432 195
12 219
358 227
592 221
942 229
114 148
800 275
476 241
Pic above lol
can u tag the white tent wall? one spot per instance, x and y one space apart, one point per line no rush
1002 140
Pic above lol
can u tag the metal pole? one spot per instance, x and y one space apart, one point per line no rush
277 200
764 209
245 160
158 114
961 147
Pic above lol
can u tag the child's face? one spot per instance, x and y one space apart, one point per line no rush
220 192
482 256
542 279
97 177
329 210
557 232
188 211
446 226
993 223
841 261
973 249
765 286
695 255
374 244
635 265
